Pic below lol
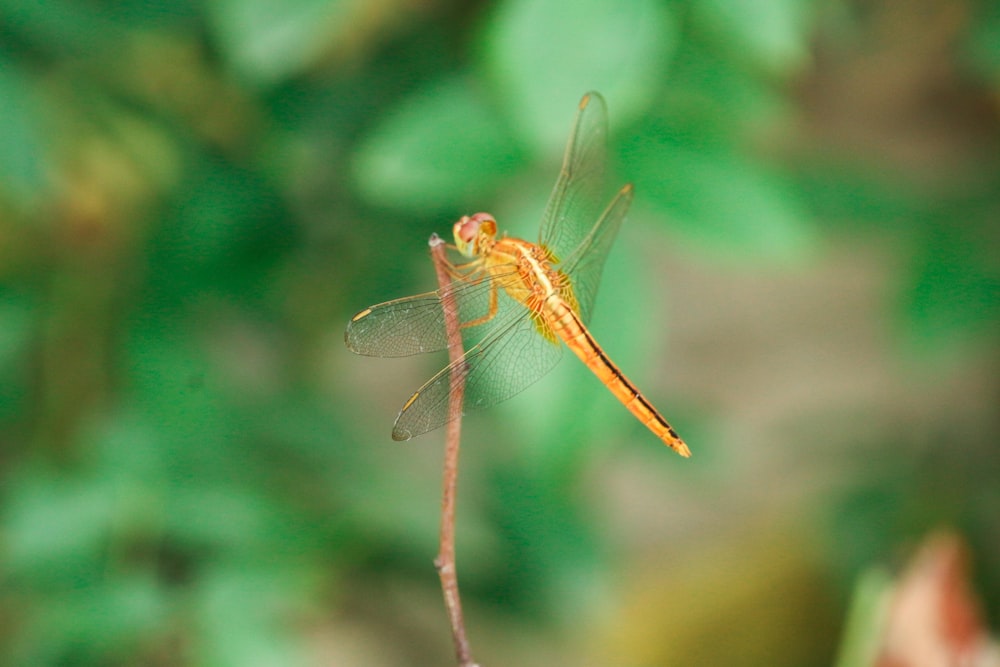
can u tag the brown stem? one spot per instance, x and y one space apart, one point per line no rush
445 561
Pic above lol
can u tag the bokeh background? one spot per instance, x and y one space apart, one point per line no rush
195 197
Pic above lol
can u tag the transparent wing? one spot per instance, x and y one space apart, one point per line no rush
512 356
415 324
576 199
586 264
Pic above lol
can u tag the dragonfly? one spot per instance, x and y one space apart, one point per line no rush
516 299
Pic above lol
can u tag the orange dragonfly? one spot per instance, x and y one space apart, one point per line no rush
517 299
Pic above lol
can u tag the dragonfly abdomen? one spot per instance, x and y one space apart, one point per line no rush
565 323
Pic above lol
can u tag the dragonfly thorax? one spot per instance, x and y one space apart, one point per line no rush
475 233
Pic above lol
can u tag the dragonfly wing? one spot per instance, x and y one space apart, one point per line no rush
415 324
510 358
398 328
586 264
576 199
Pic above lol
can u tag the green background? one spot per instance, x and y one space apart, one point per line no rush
196 196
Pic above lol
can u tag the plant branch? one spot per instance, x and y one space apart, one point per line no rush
445 561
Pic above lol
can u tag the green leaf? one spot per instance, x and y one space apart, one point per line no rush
956 289
245 611
440 147
717 97
85 625
266 41
543 530
63 28
865 619
23 152
717 199
768 34
545 54
19 321
55 528
982 47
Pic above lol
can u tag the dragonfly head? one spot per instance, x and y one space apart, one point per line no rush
472 230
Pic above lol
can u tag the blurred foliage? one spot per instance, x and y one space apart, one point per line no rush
195 195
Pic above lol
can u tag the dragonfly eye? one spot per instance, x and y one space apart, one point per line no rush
470 229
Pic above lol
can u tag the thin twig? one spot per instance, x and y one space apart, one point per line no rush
445 561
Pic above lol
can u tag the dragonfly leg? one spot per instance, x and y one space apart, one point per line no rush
464 270
489 315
